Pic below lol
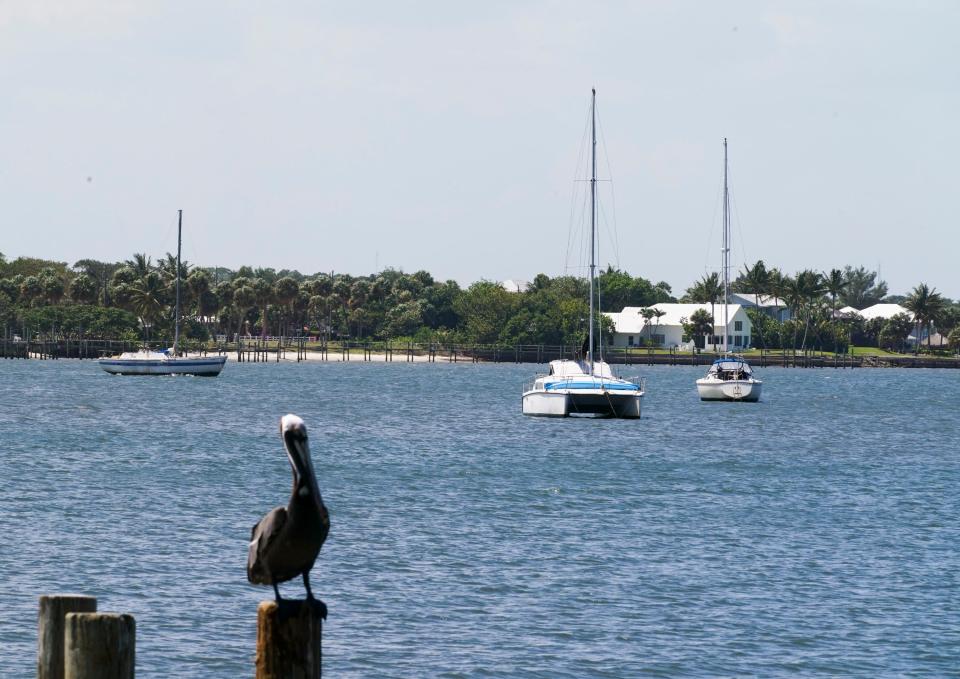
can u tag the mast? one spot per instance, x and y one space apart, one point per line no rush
593 215
726 251
176 313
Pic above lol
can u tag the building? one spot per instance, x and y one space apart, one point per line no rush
884 311
773 307
631 329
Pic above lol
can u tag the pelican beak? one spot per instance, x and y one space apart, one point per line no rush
294 433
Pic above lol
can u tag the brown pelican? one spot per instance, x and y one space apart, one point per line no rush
285 543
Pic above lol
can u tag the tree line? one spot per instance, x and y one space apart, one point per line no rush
133 300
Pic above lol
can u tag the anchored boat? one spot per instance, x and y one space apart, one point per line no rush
585 387
166 362
729 378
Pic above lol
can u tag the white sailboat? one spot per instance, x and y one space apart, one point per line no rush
729 378
587 386
168 361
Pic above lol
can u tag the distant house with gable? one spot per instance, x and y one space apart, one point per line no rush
884 311
632 329
774 307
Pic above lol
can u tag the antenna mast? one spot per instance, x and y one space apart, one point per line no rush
176 313
726 251
593 215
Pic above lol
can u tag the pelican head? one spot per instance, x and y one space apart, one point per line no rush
293 431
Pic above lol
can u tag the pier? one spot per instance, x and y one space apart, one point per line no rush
297 349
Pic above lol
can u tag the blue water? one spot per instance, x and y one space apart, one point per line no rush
813 533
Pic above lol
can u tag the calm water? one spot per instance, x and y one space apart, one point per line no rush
813 533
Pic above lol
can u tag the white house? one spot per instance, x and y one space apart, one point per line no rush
632 329
884 311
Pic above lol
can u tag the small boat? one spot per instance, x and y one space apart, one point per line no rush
588 386
730 378
168 361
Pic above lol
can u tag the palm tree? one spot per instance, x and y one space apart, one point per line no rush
777 285
647 315
756 278
807 288
140 264
147 297
658 314
834 284
83 289
708 289
244 297
925 304
263 292
285 291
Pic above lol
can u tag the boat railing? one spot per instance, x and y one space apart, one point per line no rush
530 384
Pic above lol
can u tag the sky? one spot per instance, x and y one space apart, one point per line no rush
352 137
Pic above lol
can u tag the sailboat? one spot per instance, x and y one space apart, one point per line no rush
168 361
730 378
586 386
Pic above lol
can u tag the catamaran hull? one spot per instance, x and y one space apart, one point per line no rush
209 366
729 390
598 404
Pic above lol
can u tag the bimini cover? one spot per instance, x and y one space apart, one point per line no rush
731 365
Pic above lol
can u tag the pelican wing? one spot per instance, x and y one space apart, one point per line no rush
262 538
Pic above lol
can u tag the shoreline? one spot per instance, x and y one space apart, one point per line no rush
699 361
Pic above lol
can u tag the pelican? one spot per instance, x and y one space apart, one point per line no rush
285 543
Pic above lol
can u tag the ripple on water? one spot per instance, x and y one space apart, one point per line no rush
812 533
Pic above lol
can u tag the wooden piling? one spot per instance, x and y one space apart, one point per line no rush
289 638
99 646
50 632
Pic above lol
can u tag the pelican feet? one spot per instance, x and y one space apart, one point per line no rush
319 608
293 608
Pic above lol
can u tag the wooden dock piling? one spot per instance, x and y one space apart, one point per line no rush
99 646
289 636
50 633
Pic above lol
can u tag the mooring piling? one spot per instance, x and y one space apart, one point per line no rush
99 646
50 632
289 636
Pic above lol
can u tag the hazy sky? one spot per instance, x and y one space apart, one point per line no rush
445 136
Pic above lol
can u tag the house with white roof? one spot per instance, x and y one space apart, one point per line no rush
888 311
632 329
884 311
846 312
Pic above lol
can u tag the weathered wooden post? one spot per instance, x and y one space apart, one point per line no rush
289 640
50 633
99 646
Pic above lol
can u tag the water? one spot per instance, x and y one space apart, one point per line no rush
815 532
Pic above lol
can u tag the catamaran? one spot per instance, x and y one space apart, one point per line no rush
586 386
167 361
729 378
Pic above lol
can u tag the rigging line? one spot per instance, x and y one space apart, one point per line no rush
615 238
718 203
578 233
573 194
736 212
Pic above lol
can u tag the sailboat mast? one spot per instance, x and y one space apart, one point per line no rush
726 251
176 313
593 215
